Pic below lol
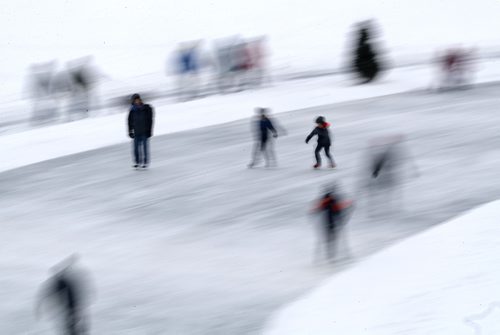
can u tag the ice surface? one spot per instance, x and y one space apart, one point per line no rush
201 245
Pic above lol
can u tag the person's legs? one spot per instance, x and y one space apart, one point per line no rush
255 153
327 153
136 150
271 153
317 155
330 239
264 149
71 323
145 149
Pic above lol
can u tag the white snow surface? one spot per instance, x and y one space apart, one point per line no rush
59 140
441 281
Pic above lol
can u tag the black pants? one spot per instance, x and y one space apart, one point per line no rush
327 153
331 231
141 149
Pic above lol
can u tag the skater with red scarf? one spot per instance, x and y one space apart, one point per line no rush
324 141
335 210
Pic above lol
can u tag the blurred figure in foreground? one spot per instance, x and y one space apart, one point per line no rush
324 141
335 211
263 146
366 61
70 295
389 163
140 129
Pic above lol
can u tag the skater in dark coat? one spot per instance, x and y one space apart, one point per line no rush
140 129
70 294
262 130
324 141
334 210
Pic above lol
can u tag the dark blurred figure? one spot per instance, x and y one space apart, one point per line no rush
263 127
70 294
390 163
366 59
45 108
336 212
324 141
140 129
82 78
188 68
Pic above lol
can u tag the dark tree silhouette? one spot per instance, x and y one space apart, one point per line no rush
366 63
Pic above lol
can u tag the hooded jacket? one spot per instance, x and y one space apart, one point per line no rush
140 120
323 134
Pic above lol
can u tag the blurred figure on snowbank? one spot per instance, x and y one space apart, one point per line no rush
335 212
390 166
83 76
70 89
456 68
241 64
68 294
40 92
366 59
263 128
188 66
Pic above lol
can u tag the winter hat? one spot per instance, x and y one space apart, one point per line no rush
320 119
134 97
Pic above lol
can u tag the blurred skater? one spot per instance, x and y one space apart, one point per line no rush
335 211
456 69
69 293
324 141
263 127
140 129
390 166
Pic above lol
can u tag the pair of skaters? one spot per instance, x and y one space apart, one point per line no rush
264 129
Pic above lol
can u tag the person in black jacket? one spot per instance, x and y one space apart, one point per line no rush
324 141
263 126
70 293
140 129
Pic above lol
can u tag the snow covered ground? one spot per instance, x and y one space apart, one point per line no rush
441 281
201 245
35 145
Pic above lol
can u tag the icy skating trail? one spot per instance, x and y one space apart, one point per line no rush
36 145
201 245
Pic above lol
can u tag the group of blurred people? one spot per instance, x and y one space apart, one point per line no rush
389 165
234 64
66 92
